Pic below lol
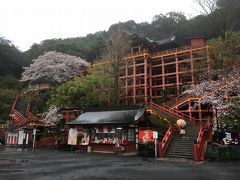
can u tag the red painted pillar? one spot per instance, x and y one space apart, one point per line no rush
67 118
11 139
14 140
200 113
7 139
196 152
202 155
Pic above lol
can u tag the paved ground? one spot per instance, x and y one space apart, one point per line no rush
46 164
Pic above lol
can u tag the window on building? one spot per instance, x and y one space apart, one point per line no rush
131 135
108 135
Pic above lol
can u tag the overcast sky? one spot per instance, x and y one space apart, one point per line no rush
30 21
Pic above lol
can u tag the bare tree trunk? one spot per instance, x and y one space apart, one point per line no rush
118 46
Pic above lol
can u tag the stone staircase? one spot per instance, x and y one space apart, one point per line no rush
183 147
21 106
172 145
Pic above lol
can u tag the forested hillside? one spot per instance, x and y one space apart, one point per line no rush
10 71
213 22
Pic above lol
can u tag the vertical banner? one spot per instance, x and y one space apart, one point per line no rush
72 136
27 136
155 136
21 136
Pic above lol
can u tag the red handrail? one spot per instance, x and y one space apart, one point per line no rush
183 48
163 109
174 101
180 113
163 145
16 113
32 116
45 141
200 145
15 102
23 119
159 114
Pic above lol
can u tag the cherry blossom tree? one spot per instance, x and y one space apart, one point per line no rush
218 86
217 91
54 67
53 116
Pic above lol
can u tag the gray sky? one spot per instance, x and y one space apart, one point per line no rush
30 21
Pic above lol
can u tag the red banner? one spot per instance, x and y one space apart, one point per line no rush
145 136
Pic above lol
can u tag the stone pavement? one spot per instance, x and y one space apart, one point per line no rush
47 164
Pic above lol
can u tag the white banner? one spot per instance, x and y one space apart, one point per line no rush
21 136
72 136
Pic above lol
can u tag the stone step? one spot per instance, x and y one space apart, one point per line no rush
186 138
180 156
183 144
185 141
180 151
182 147
172 149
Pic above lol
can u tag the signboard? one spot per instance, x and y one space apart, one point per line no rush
155 134
72 136
145 136
228 138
